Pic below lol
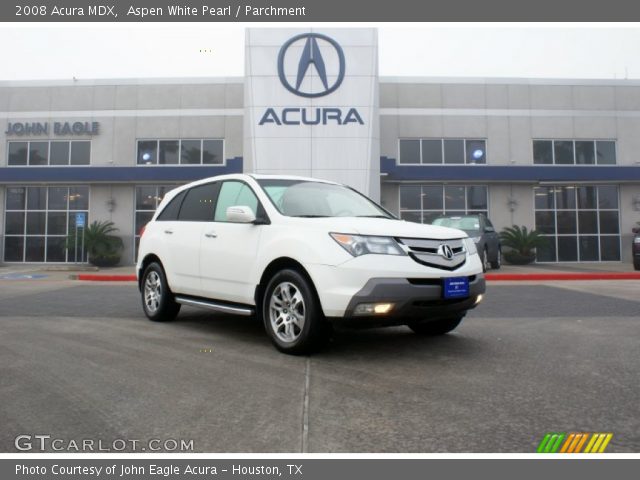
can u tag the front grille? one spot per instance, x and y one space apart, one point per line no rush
428 252
438 303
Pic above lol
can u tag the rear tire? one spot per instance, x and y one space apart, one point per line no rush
158 302
436 327
292 315
495 265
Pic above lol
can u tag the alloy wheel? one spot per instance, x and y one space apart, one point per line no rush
287 312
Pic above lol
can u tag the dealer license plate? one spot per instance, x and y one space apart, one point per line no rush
456 287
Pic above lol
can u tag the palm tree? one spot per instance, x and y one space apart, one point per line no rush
103 247
522 242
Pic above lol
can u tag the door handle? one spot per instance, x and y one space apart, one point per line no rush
168 232
211 235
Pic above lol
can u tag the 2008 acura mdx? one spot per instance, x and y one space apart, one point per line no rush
302 254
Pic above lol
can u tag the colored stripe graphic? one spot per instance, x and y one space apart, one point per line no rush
573 442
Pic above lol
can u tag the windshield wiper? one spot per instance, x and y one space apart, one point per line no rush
373 216
309 216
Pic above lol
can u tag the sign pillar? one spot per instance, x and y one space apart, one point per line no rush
311 105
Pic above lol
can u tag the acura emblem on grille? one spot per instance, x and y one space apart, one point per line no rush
445 251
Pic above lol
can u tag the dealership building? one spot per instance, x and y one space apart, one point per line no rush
561 156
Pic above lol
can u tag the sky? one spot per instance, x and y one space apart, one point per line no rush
60 51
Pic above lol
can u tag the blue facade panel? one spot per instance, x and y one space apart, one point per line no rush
508 173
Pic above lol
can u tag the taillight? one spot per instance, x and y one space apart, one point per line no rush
144 227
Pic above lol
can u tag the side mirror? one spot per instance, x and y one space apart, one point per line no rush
635 229
240 214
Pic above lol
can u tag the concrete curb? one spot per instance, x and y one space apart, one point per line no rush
491 277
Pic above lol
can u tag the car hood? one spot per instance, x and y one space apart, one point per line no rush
382 227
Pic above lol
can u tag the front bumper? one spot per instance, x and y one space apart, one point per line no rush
413 299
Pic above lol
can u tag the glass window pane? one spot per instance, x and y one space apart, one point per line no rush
59 153
147 152
454 198
547 252
34 249
168 152
587 222
36 198
56 249
567 249
565 198
16 197
585 153
212 152
589 251
58 198
57 223
587 197
410 197
146 198
453 151
36 222
567 222
610 248
198 203
78 198
191 152
608 197
544 198
409 151
543 152
563 150
142 218
477 198
13 249
606 152
411 217
18 153
38 153
476 151
432 197
609 222
546 222
231 194
432 151
429 217
80 153
14 223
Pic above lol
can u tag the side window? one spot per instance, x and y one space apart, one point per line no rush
199 203
170 212
234 193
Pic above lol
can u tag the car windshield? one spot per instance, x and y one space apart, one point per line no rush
468 223
303 198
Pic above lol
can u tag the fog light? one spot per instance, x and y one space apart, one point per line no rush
373 308
479 299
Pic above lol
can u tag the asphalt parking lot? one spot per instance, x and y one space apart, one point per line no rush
79 360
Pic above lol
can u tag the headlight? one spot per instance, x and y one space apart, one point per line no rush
358 245
476 239
470 246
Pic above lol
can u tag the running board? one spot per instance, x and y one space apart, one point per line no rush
217 307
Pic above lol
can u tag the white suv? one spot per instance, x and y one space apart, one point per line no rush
302 254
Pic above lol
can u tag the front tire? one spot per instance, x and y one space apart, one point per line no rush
436 327
636 264
495 265
158 302
292 315
485 259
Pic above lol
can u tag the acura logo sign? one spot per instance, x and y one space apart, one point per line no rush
311 58
445 251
